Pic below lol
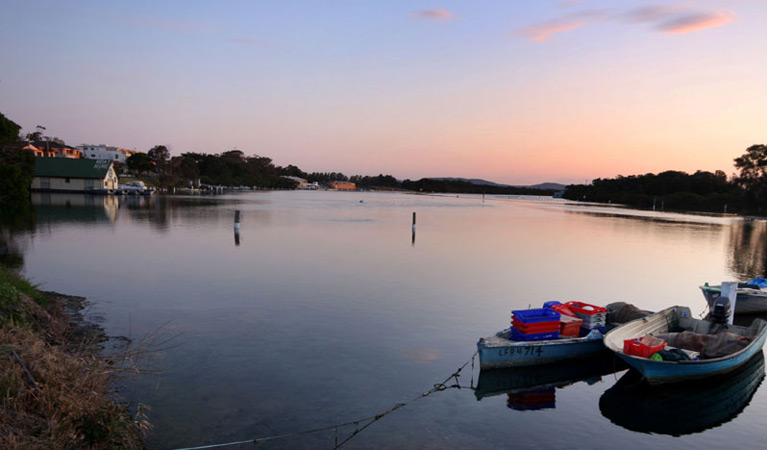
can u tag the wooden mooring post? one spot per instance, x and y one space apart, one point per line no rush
237 228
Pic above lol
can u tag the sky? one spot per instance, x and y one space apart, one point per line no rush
512 91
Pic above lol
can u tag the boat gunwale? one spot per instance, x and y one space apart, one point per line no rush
558 341
744 290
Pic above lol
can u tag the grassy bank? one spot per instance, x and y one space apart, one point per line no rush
55 387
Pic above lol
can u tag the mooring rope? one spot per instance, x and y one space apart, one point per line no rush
370 420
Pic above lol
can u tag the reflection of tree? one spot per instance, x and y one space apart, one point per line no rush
152 209
15 219
160 218
748 244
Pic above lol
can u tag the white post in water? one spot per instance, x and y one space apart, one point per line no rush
730 291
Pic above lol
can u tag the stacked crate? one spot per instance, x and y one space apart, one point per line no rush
594 317
569 323
534 324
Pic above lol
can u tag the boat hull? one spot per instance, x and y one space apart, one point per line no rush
659 372
498 353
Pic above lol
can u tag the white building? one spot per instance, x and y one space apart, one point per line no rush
101 151
302 183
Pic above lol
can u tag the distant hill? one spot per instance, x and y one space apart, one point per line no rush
480 182
555 186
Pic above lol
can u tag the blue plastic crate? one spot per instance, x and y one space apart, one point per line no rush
551 303
536 315
517 335
585 331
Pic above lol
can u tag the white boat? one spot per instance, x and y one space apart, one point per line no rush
722 347
751 296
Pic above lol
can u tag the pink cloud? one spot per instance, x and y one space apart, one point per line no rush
650 13
695 22
543 31
679 19
433 14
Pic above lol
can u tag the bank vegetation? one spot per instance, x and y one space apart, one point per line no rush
55 387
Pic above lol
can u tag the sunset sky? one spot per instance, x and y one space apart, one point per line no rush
516 92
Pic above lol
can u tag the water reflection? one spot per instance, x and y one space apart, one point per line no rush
341 277
680 409
79 208
748 249
531 388
15 219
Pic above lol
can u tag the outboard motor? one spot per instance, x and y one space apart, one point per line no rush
720 313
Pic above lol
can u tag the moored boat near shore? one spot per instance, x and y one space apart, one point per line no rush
751 296
708 348
503 350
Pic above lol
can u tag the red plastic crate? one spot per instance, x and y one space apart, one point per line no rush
540 327
570 326
644 347
585 308
517 335
563 310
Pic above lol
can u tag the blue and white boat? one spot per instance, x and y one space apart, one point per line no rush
497 352
751 296
675 320
500 351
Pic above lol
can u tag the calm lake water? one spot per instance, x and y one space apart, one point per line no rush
325 310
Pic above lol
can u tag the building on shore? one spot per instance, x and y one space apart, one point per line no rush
74 175
117 154
303 183
52 149
343 186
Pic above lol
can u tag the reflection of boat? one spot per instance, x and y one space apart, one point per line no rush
723 347
751 296
523 379
681 408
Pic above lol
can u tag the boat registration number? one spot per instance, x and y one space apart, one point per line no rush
522 351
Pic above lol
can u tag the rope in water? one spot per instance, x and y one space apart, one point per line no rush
370 420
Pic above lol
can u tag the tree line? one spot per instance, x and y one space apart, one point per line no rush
703 191
745 192
234 168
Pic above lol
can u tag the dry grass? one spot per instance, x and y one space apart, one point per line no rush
55 388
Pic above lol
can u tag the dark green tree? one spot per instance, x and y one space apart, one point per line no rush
9 130
752 166
140 163
184 170
160 155
17 165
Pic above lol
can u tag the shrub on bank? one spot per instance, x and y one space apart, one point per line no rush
54 386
